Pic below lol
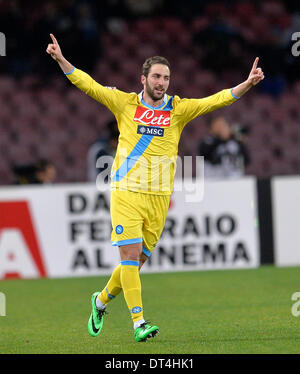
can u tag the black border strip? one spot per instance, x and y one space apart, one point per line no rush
265 221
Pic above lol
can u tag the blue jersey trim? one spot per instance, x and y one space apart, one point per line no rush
127 241
236 97
146 252
110 296
70 71
133 263
132 158
169 105
153 107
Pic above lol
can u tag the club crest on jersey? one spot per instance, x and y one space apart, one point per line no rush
150 130
136 309
119 229
151 117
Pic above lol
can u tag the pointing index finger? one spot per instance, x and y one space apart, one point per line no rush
53 39
255 63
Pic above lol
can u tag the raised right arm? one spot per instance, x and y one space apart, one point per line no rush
54 51
113 99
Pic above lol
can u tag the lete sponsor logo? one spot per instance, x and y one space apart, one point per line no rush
20 254
152 117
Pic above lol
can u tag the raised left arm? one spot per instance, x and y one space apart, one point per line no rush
256 75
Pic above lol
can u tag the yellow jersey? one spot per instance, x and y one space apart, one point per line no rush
147 150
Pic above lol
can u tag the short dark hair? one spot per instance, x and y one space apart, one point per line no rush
43 164
152 61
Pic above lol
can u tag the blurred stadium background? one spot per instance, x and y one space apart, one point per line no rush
65 227
210 44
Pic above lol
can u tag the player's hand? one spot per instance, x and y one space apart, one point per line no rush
256 74
54 50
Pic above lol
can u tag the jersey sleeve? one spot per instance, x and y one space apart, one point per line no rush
192 108
112 98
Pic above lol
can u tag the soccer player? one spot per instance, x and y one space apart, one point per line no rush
150 124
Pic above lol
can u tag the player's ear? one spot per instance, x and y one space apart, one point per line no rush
143 79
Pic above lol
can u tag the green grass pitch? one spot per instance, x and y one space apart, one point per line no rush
231 311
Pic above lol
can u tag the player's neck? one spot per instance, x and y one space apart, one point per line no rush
149 101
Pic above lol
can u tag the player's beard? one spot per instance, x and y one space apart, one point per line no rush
151 92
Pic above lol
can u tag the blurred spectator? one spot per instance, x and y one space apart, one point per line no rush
45 172
224 151
25 174
42 172
142 7
221 44
104 146
74 22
